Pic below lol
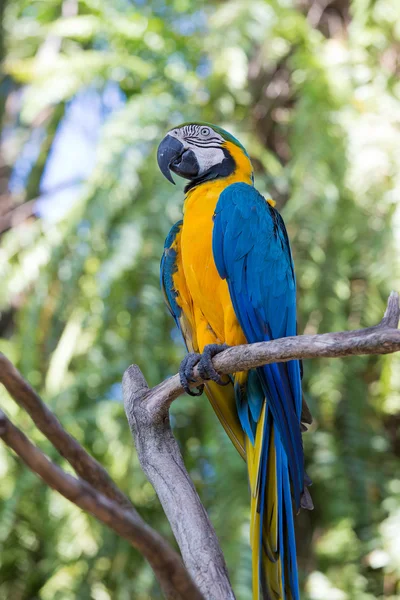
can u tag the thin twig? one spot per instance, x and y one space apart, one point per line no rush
166 563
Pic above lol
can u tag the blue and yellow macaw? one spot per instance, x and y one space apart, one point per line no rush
228 278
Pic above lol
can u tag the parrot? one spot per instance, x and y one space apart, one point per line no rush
227 277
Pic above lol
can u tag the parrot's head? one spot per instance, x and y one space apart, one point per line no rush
202 152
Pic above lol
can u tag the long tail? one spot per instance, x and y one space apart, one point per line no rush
271 526
272 532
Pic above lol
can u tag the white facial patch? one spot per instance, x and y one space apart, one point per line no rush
204 142
207 157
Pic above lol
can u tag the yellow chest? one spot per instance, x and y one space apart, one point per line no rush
209 293
203 281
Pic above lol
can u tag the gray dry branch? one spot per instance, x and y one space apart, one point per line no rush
147 412
205 575
83 464
166 563
94 491
163 464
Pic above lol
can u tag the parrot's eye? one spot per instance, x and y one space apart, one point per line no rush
205 131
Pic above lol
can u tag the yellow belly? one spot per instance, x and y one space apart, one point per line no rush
213 311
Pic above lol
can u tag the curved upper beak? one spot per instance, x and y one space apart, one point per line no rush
172 156
168 151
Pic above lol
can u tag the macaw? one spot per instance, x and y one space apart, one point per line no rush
228 278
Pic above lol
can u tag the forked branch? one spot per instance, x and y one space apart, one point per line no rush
166 563
147 411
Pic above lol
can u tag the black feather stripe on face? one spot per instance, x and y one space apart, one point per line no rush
199 142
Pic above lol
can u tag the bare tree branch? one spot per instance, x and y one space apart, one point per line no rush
147 412
166 563
84 464
383 338
148 416
162 462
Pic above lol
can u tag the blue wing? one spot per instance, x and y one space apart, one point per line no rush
251 251
168 267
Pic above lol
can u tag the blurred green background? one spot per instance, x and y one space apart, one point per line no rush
311 87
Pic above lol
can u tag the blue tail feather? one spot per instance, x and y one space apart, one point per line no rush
250 397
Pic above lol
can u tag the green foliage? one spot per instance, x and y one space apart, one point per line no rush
316 103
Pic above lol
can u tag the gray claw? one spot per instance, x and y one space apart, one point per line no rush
186 373
205 365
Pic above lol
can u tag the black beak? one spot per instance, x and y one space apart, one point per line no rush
172 156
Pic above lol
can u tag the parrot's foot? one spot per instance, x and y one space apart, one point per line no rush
205 366
186 373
